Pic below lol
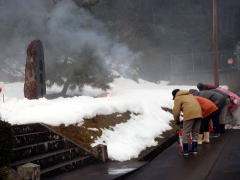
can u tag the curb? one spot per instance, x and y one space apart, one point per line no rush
151 155
160 148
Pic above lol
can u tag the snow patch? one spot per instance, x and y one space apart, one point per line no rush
93 129
124 141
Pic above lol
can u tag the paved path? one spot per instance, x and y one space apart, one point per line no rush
219 160
102 171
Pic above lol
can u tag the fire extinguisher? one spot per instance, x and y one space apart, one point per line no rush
180 140
211 126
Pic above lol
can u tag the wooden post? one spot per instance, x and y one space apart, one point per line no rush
100 152
29 171
215 42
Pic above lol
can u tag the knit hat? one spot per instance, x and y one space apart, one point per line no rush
194 92
174 92
201 86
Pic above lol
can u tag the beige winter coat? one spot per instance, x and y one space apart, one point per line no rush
185 102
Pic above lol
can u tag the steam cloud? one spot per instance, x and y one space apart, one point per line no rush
63 27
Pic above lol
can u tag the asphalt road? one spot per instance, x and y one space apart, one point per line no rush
101 171
219 160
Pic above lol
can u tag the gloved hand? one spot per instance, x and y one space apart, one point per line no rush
178 122
235 101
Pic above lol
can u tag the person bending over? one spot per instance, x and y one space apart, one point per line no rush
192 115
209 111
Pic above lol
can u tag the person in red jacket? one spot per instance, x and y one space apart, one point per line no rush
209 111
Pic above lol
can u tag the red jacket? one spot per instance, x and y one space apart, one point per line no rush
207 106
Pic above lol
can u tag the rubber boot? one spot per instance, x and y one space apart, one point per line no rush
194 147
200 138
206 137
185 149
215 135
222 128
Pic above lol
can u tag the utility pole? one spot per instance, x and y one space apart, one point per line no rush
215 46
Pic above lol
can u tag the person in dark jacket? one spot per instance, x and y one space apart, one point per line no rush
202 86
224 110
215 97
218 99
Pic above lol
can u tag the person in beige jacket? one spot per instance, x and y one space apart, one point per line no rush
192 115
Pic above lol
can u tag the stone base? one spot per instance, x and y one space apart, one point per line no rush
29 171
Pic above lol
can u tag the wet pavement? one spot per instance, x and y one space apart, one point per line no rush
219 160
106 171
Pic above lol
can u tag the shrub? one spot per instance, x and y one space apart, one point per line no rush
7 142
5 173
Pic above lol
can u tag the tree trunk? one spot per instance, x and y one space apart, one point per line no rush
65 88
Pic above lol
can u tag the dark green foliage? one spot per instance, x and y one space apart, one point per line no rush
159 24
87 4
85 68
5 173
170 25
171 31
158 28
6 141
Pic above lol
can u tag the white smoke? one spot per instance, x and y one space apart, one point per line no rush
237 56
63 27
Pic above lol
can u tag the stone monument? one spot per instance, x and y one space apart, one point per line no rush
34 86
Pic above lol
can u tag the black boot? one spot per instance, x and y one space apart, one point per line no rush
185 149
194 147
222 128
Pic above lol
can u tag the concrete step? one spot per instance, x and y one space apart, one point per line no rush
39 144
28 128
79 160
30 134
36 144
33 138
42 156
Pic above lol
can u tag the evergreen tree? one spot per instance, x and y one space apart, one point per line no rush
85 68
